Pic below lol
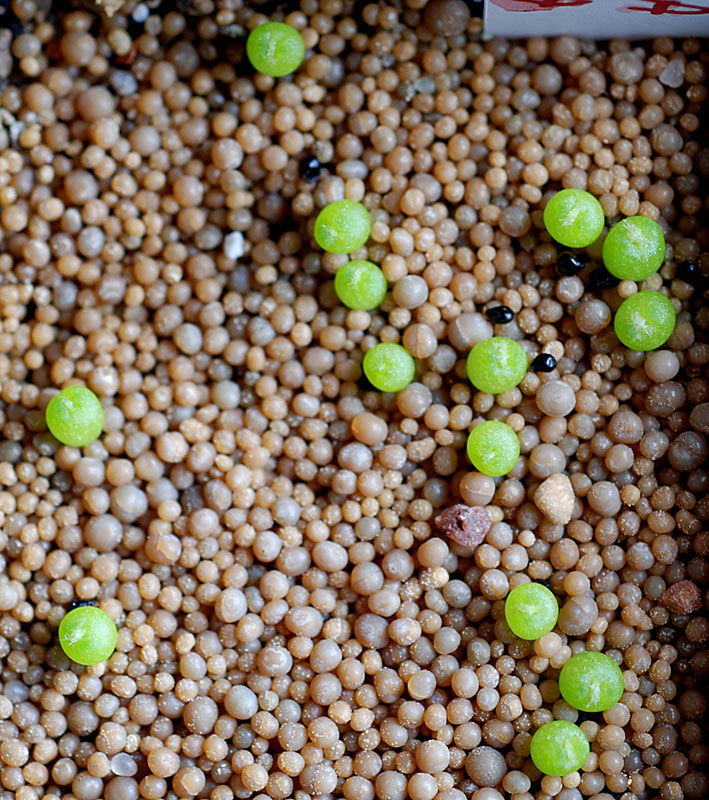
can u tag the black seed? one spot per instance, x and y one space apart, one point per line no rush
688 271
568 264
500 314
544 362
602 279
79 603
309 168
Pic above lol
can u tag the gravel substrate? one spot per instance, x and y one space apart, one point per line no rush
307 576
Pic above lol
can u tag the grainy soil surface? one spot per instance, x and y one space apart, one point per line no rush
257 519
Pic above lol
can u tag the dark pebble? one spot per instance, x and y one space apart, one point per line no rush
500 315
568 264
544 362
309 168
602 279
79 603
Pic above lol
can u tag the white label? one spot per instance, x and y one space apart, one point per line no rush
597 19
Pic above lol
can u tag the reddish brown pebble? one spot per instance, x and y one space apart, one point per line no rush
682 597
466 525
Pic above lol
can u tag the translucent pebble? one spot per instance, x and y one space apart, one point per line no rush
123 765
673 74
234 245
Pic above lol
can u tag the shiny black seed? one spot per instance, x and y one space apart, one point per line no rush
688 271
78 603
309 168
568 264
602 279
544 362
500 314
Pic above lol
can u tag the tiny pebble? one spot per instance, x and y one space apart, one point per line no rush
682 597
555 498
466 525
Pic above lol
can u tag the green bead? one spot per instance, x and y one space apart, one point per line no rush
645 320
75 416
574 218
87 635
591 682
360 285
342 226
634 249
531 610
559 747
496 365
389 367
275 49
493 448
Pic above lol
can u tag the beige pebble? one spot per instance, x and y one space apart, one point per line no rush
555 499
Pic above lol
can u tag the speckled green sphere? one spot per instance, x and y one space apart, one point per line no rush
342 226
531 610
496 365
634 249
360 285
493 448
645 320
591 682
389 367
559 747
574 218
275 49
75 416
87 635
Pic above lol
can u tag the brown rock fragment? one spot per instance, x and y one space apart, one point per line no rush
466 525
682 597
555 499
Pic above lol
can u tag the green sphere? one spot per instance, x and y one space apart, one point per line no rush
645 320
75 416
360 285
87 635
574 218
591 682
493 448
634 249
531 610
496 365
342 226
389 367
559 747
275 49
